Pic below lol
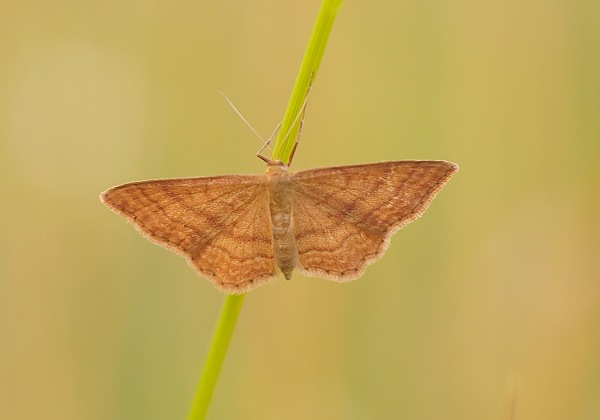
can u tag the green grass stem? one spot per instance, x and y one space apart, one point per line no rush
307 75
281 151
230 310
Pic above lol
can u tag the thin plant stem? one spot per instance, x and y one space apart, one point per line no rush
306 76
282 152
232 305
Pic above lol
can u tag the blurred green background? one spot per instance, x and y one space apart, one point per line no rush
487 305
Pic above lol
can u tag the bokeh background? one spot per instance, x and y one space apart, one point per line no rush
486 308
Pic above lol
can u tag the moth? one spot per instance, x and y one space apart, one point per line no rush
242 231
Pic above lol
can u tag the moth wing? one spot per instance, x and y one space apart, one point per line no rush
345 216
219 224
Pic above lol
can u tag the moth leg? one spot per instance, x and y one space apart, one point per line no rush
266 144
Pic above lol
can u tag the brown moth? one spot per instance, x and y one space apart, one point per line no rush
240 231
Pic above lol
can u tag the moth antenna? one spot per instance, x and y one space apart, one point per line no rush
265 144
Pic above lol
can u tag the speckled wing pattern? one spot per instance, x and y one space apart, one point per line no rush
220 224
345 216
